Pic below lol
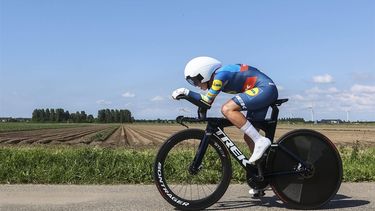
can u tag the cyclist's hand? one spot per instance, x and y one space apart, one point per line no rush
180 91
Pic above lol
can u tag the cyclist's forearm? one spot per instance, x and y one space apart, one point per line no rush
197 100
200 97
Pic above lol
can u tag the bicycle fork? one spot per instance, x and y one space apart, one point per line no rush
196 165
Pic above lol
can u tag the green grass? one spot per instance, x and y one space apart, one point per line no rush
92 165
358 163
20 126
68 165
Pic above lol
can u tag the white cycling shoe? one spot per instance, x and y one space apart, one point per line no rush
259 148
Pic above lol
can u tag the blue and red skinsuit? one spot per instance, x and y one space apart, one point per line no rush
255 90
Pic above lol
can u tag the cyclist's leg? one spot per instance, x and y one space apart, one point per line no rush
254 193
232 112
255 115
256 101
249 142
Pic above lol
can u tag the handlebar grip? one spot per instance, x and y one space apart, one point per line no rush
179 97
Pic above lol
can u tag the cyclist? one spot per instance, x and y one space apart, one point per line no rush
254 91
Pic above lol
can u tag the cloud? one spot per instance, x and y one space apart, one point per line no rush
362 89
317 90
280 88
298 97
103 102
157 98
358 98
323 79
128 94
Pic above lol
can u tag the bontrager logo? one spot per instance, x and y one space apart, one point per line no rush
233 148
166 191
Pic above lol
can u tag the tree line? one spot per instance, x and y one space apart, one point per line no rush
60 115
114 116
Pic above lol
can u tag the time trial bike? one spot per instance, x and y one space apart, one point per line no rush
193 169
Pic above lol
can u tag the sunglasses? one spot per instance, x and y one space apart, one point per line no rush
195 81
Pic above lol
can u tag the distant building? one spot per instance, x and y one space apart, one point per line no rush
10 119
331 121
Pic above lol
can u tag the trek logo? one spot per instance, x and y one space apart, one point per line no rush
233 148
166 191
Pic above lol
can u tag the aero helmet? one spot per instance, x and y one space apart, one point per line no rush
200 69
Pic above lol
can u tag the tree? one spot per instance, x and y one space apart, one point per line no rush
90 118
36 116
101 116
107 116
52 115
48 115
78 117
66 116
59 115
83 116
117 116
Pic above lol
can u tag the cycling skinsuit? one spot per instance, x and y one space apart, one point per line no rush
255 90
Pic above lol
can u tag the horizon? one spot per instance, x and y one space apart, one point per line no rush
89 55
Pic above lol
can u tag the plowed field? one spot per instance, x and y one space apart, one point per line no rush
148 135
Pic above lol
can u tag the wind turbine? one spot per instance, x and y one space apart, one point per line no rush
312 113
347 115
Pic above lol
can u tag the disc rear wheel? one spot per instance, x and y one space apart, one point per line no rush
320 184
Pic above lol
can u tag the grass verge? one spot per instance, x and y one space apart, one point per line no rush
92 165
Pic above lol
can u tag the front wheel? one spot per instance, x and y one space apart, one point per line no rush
315 188
188 190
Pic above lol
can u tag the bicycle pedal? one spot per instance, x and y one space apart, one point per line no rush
258 195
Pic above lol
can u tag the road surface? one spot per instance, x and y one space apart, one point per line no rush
357 196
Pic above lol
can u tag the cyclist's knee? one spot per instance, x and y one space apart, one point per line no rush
226 109
229 107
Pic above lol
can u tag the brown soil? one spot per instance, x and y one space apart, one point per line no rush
147 135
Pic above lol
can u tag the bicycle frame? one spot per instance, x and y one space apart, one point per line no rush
215 127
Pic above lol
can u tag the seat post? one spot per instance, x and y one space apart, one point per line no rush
272 122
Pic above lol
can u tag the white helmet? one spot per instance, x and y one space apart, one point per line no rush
200 69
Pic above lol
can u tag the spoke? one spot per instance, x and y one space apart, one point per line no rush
198 191
191 193
204 192
179 191
209 188
185 191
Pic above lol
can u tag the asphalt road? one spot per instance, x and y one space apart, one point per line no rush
357 196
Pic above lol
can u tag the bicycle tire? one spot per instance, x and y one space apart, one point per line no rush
307 191
216 157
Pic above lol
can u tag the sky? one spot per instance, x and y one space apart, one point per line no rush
89 55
